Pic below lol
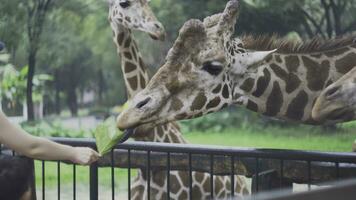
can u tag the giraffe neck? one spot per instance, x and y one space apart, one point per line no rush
135 74
134 71
286 86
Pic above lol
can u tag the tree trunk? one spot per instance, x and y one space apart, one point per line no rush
101 85
29 90
72 101
57 91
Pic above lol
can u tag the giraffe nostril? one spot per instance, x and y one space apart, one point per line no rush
143 103
332 92
157 26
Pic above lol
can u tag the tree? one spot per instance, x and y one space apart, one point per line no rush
36 14
332 18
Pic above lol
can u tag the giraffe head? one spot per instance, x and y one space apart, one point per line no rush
136 15
337 102
196 78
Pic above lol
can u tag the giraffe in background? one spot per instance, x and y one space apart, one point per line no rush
125 16
206 71
339 99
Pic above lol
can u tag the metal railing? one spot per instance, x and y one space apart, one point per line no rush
270 169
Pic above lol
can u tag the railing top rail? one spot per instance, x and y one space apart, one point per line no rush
220 150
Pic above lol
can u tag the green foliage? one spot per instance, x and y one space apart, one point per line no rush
53 129
76 45
13 84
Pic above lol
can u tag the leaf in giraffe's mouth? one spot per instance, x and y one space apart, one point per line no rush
107 136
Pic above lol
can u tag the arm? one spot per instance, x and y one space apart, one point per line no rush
40 148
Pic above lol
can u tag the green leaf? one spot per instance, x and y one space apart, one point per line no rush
107 136
24 71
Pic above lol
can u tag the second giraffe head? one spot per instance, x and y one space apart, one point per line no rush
136 15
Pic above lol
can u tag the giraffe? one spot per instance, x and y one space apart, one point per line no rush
339 99
121 14
206 70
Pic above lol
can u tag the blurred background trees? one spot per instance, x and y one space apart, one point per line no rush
71 40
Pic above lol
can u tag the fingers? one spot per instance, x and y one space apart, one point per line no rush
86 156
94 156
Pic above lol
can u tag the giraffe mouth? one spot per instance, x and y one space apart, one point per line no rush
157 36
341 114
127 134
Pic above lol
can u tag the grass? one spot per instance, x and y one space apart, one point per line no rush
82 175
277 138
300 137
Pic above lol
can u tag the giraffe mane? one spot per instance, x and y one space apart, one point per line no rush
270 42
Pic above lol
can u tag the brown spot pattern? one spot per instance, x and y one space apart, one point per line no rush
128 55
199 102
176 104
292 63
133 83
159 178
213 103
129 67
247 85
225 92
291 80
316 74
262 83
175 186
127 42
346 63
252 106
296 108
120 38
197 192
274 100
142 81
217 89
278 58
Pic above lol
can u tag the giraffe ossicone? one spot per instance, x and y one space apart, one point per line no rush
338 101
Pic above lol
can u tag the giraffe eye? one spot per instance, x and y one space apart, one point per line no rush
213 68
125 4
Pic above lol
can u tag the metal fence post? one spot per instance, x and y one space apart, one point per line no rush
94 194
33 181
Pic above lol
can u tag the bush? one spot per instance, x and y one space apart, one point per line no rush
217 122
54 129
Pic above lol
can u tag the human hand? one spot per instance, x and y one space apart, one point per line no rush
84 156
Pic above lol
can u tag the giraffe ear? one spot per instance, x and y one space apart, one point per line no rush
226 25
190 39
250 59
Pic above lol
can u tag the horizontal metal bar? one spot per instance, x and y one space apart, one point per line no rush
344 190
218 150
294 171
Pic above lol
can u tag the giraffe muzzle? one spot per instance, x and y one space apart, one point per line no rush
127 134
158 36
